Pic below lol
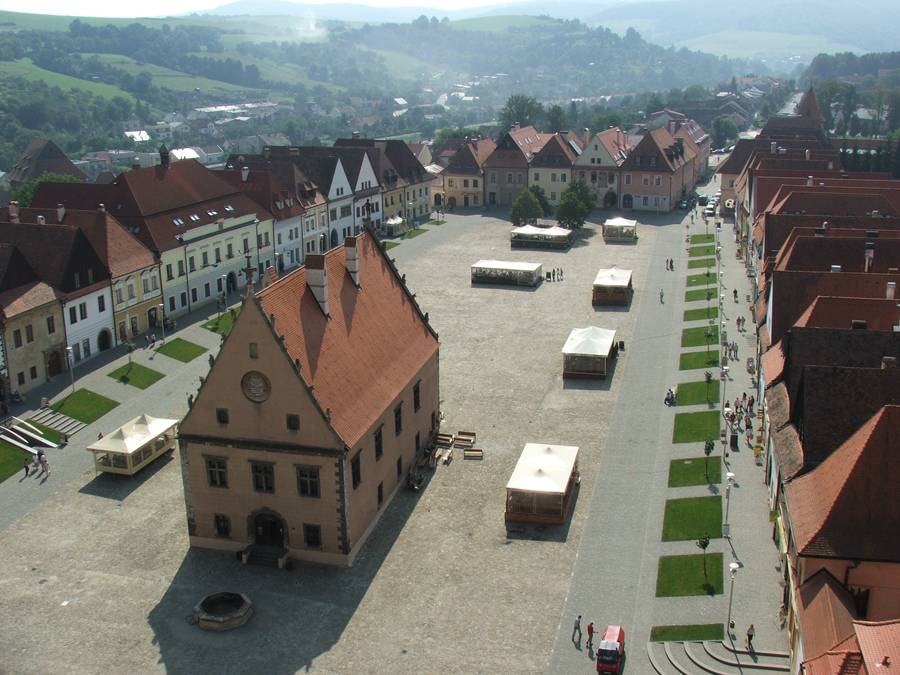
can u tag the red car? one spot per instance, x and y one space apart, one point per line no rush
611 650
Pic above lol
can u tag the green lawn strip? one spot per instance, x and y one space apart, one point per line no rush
705 279
50 434
223 323
681 575
182 350
436 222
694 632
711 312
412 234
694 360
84 405
696 427
700 294
11 460
691 518
698 251
388 245
697 393
701 262
136 375
700 336
702 239
694 471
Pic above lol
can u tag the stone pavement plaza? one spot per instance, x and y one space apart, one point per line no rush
98 576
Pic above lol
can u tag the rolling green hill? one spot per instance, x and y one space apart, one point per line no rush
166 77
24 68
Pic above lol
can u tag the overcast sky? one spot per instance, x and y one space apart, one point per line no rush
175 7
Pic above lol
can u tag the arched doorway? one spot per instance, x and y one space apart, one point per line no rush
609 200
231 282
334 238
627 202
104 340
152 317
268 529
54 364
451 203
438 198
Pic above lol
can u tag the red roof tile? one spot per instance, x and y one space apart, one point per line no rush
29 296
374 342
879 640
825 612
835 312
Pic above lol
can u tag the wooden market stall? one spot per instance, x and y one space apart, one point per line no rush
588 351
620 229
541 487
507 272
612 286
134 445
529 236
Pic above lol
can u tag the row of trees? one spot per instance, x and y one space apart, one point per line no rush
575 205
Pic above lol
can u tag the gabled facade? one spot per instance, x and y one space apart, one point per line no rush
308 421
41 156
506 169
463 179
551 166
657 173
598 165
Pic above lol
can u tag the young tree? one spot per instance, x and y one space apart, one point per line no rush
556 119
709 378
520 109
575 205
24 194
525 209
708 448
541 196
703 544
129 347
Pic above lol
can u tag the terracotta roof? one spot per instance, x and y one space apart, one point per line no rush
825 611
879 314
858 201
844 658
515 148
556 154
470 157
788 450
42 155
852 254
808 107
658 146
32 295
14 267
375 341
616 142
772 230
877 640
844 507
773 363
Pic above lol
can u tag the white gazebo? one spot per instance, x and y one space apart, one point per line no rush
542 484
507 272
134 445
588 351
620 229
612 286
540 237
394 225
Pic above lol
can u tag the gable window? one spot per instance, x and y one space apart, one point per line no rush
246 243
465 182
645 180
73 315
312 536
658 180
82 310
562 178
293 422
308 481
77 280
417 396
356 470
552 177
474 184
169 275
229 250
181 268
29 333
263 474
205 258
218 254
627 179
191 265
217 472
17 338
120 296
398 419
222 524
101 301
222 415
51 325
379 443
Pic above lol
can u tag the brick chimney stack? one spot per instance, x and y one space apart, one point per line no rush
14 211
317 279
352 259
60 213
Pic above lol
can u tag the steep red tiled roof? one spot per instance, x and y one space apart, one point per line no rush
470 157
836 312
516 147
23 298
42 155
844 507
840 201
879 640
669 153
808 107
844 658
359 360
616 142
556 154
825 612
820 253
773 363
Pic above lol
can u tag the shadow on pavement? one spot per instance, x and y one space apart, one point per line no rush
118 487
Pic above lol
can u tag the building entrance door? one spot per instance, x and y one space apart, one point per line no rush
269 530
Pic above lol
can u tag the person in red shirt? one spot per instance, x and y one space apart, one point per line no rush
590 629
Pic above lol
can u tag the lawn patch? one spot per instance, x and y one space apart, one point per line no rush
84 405
694 360
692 518
694 632
702 239
696 426
51 435
436 222
711 312
700 294
707 278
223 323
388 245
680 575
693 471
11 460
698 251
700 336
136 375
697 393
701 262
181 349
415 232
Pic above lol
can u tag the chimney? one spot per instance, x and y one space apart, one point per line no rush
317 279
355 135
830 166
888 362
245 173
773 147
890 290
806 154
101 207
587 137
41 220
14 211
809 181
835 268
869 261
164 156
352 259
60 213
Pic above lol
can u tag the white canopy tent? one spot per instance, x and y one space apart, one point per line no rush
507 272
540 237
612 286
587 351
620 229
134 445
541 486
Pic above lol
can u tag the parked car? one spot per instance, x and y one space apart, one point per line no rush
611 650
683 204
709 211
702 200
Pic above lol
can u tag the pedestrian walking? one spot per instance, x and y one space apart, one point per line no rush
748 422
744 399
672 264
561 275
45 467
577 629
590 629
750 633
750 402
661 301
27 467
553 275
43 460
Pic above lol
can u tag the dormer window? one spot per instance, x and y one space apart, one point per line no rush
229 207
77 280
178 221
212 214
195 217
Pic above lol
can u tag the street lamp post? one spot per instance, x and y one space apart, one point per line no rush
726 528
70 356
162 311
733 568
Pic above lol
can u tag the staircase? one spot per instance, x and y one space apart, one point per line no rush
264 556
58 422
713 657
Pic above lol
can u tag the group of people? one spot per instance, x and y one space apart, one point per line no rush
670 397
670 264
40 461
576 630
741 322
556 274
731 348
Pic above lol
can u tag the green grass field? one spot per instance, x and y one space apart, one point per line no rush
224 323
695 632
691 518
699 263
700 336
682 575
694 471
702 314
706 279
499 24
25 69
388 245
698 251
696 427
695 360
698 393
400 65
752 44
181 350
413 233
11 460
136 375
166 77
702 239
699 294
84 405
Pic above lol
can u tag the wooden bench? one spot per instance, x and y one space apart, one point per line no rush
444 440
448 456
473 453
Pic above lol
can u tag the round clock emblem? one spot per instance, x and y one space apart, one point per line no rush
256 386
